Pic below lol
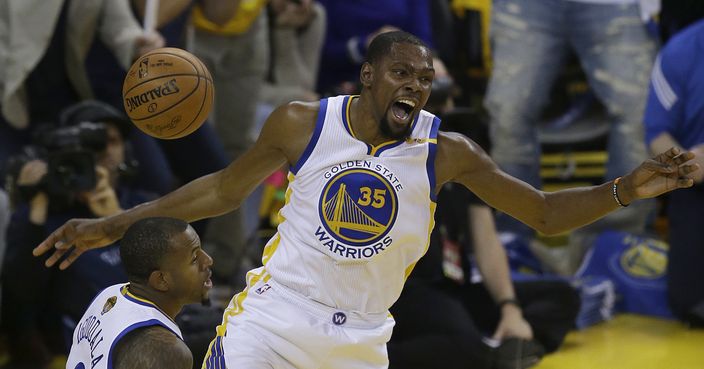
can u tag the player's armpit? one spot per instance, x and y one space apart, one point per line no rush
457 156
284 137
289 129
153 347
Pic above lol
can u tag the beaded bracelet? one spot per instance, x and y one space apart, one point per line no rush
615 192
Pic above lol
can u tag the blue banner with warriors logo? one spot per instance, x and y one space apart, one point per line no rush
637 266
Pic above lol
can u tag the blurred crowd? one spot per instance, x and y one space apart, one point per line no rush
522 78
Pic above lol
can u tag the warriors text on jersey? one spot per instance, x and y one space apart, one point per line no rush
357 217
112 314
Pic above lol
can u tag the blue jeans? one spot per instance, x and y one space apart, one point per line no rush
531 39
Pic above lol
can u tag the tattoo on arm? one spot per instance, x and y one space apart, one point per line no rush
152 347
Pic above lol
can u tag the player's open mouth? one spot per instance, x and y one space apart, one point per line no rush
208 282
402 109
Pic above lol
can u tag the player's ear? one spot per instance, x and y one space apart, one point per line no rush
366 74
159 280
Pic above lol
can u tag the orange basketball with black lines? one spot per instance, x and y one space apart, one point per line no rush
168 93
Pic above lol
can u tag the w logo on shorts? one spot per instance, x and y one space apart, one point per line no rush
339 318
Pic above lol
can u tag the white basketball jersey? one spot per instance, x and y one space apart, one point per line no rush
357 218
112 314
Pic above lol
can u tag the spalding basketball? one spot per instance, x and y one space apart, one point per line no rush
168 93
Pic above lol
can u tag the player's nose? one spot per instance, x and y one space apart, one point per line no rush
208 261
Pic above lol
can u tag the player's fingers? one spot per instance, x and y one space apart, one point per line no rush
669 154
70 258
45 246
688 168
57 239
683 157
685 182
56 256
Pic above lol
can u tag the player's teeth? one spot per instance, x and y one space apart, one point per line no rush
409 102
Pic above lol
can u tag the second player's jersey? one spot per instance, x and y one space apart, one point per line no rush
357 218
112 314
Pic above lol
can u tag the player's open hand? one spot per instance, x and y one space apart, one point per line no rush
72 239
666 172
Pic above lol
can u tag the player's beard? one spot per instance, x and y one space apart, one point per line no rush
385 127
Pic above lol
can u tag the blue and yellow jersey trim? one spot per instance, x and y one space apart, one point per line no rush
140 300
346 104
215 358
322 111
371 149
136 299
430 162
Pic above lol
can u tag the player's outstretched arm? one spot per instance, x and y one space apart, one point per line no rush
463 161
152 347
283 139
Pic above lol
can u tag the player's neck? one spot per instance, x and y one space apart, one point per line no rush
364 124
167 306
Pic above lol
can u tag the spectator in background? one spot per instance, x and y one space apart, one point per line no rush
35 299
351 27
530 42
674 117
236 51
43 48
297 32
232 39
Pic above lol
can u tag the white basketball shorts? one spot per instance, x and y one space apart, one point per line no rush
270 326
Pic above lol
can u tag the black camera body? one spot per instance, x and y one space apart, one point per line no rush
70 154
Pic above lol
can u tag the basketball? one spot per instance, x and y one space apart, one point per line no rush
168 93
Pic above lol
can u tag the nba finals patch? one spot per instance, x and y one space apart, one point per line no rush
357 208
109 304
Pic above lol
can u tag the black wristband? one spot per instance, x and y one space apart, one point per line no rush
512 301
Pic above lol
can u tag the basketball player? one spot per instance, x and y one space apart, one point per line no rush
132 325
364 172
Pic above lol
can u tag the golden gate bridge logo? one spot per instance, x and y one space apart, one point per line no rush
358 207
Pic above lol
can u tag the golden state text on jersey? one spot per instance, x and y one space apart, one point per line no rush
357 208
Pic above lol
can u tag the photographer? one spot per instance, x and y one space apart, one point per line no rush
75 172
